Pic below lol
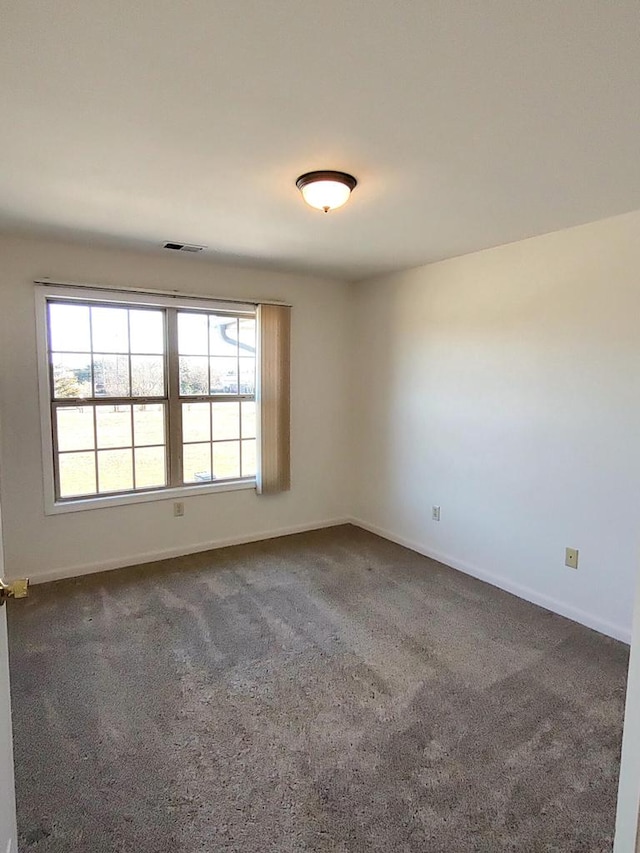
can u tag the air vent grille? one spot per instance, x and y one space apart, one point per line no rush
183 247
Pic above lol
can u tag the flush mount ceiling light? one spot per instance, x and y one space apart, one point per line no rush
326 190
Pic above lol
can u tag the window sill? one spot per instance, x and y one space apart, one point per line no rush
104 501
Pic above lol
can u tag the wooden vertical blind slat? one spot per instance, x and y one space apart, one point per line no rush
274 330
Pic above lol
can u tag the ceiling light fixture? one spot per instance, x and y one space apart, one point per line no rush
326 190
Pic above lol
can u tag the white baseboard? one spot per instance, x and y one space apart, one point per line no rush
181 551
525 592
528 594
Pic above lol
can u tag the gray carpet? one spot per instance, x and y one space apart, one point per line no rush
328 691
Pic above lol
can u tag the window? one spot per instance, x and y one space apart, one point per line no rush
145 395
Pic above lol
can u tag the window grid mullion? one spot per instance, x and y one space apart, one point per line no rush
133 438
133 447
210 427
240 427
107 401
209 362
209 391
95 439
239 404
91 371
174 438
56 452
129 362
217 398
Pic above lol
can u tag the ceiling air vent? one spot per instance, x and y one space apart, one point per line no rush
183 247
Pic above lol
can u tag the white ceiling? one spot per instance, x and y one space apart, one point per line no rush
469 123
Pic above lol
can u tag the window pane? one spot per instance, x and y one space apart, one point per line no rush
110 375
223 335
114 426
197 463
226 420
115 470
72 375
69 327
194 375
247 337
120 351
249 458
196 422
147 376
147 331
148 424
224 375
248 419
226 460
77 474
150 467
110 329
247 375
75 428
193 334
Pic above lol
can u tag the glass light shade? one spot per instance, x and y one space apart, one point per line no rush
326 190
326 195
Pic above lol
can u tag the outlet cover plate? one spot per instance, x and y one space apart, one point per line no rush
571 558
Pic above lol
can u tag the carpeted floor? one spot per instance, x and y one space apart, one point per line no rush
328 691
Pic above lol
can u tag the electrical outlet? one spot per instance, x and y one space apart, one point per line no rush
435 513
178 509
571 558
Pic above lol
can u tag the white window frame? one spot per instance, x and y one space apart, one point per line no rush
151 299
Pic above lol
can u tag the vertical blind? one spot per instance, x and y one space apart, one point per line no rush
274 400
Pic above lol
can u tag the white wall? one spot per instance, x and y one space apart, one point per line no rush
627 835
39 545
504 386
